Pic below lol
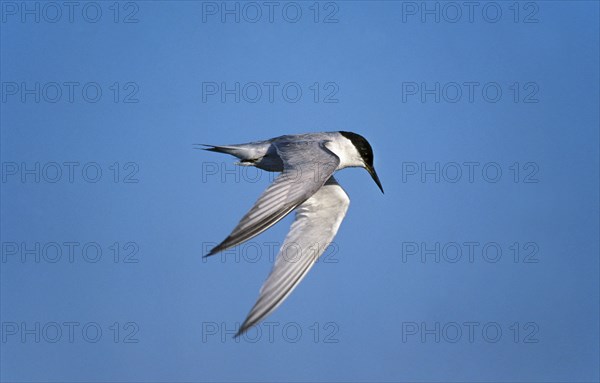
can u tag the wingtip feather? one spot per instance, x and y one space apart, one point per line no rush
243 328
210 148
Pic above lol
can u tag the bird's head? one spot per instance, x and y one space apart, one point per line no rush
364 154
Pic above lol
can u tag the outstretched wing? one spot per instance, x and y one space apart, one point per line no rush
306 167
317 222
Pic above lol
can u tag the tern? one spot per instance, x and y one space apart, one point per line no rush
306 184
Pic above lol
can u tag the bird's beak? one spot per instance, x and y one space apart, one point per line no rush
373 174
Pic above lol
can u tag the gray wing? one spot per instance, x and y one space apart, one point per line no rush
317 222
306 167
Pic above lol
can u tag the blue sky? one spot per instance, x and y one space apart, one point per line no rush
480 262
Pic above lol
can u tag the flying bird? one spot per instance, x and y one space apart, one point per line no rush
306 184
